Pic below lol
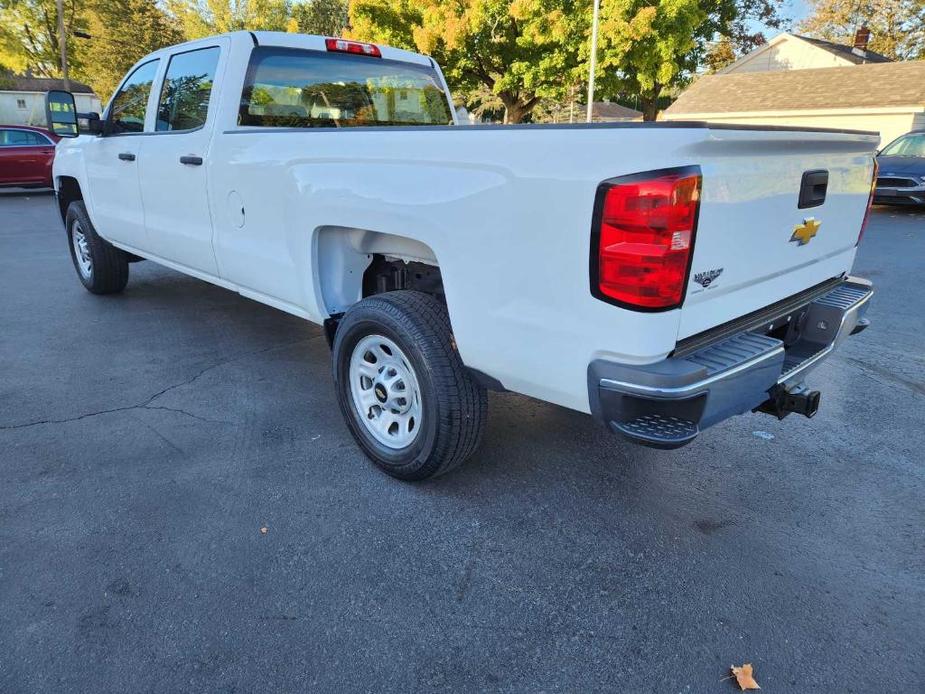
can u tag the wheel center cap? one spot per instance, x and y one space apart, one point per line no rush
381 394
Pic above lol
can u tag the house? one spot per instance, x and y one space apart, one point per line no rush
607 112
22 99
886 97
792 52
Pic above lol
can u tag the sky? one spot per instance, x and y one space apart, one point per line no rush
795 10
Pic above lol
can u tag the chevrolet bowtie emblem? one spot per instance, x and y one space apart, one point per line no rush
804 233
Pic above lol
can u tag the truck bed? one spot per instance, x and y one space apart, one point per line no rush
506 213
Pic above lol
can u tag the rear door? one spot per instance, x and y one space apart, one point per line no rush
174 160
24 156
757 242
112 161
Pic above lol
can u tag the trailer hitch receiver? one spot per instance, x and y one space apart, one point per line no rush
783 401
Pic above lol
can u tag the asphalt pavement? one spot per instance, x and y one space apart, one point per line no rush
147 438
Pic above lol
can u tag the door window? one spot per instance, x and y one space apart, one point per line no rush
184 101
21 138
128 107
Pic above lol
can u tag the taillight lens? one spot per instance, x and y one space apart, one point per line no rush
355 47
644 236
870 202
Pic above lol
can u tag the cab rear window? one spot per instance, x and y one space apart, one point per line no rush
291 88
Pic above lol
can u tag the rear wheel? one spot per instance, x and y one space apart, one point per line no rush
406 396
101 267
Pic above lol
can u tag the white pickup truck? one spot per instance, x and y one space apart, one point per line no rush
659 276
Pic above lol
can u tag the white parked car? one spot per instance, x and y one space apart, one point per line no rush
659 276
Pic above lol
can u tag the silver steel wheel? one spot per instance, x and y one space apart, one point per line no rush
385 391
81 251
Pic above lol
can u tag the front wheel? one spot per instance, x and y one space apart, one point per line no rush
101 267
406 396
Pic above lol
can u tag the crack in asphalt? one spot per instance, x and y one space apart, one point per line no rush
871 369
148 403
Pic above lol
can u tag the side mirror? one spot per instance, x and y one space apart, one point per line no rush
61 113
94 125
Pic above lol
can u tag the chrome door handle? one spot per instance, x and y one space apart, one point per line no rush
192 161
126 156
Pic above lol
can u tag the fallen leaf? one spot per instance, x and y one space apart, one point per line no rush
744 677
263 531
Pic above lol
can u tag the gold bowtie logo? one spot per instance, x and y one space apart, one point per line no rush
804 233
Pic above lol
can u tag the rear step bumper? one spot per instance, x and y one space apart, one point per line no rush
668 403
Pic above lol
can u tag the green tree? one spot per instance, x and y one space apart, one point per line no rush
325 17
651 48
897 27
518 51
719 54
122 32
199 18
29 36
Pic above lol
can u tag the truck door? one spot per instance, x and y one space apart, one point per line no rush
173 162
112 161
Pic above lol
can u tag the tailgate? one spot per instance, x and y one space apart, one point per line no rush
746 253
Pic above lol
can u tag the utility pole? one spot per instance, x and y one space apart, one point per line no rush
594 22
62 44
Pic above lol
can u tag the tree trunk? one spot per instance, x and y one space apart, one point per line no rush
517 107
649 103
515 113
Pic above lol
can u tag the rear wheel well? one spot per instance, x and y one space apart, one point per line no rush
388 274
356 264
351 264
68 192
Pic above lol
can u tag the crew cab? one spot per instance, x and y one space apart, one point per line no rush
661 277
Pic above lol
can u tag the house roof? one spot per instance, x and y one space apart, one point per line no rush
856 56
605 110
39 84
872 85
845 53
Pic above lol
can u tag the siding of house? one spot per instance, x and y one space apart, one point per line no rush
889 125
33 112
885 97
918 122
790 54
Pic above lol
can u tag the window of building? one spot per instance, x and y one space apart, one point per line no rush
21 104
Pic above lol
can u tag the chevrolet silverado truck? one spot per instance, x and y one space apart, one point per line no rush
661 277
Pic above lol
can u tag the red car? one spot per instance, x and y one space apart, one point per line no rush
26 155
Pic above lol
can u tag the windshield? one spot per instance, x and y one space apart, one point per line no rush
906 146
313 89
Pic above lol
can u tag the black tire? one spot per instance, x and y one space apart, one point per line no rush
453 405
108 270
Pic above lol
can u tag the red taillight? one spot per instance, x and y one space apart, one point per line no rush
870 202
644 233
345 46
